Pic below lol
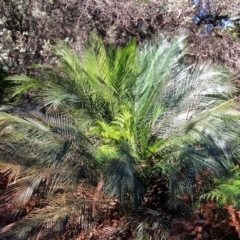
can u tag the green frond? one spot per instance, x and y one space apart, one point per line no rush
22 85
102 79
122 182
39 150
227 190
159 63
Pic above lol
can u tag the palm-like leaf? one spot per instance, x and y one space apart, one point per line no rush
53 219
227 190
41 154
153 226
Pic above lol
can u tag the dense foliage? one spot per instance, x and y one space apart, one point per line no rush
29 29
129 135
89 137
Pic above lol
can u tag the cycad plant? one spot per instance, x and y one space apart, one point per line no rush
132 114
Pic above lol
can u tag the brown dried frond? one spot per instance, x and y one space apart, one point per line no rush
234 216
